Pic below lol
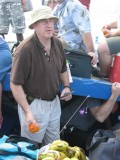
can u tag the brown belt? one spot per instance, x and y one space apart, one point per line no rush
30 99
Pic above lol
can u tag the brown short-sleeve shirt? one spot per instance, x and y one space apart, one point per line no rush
38 73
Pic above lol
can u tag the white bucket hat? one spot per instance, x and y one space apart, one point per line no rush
44 12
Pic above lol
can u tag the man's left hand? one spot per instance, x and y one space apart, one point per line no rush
94 58
66 94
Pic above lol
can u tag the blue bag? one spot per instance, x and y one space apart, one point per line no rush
14 145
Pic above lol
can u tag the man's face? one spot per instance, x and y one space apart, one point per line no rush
44 27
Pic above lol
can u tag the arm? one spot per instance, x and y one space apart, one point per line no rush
103 111
65 81
87 38
23 3
20 97
113 33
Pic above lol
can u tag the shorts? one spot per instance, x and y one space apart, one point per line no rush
47 114
5 60
114 44
11 13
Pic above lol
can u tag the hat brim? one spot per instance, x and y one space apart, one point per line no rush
38 19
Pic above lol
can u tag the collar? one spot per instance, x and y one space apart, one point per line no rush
61 5
40 44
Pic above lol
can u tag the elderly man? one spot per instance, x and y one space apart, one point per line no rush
38 67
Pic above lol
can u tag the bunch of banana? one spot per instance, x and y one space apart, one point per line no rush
60 150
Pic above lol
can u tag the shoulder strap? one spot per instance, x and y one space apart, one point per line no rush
16 139
7 153
99 140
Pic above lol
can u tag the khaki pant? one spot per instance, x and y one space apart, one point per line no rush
47 114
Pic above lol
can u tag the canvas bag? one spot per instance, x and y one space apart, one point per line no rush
79 63
14 145
103 145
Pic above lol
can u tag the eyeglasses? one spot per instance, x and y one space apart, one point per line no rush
46 21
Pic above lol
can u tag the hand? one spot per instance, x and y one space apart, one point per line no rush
108 27
108 33
116 89
94 58
64 95
30 119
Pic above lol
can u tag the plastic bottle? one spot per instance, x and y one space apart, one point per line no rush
69 72
96 43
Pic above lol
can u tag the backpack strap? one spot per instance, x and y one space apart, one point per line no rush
90 146
16 139
8 153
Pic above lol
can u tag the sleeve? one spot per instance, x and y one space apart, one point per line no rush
93 102
20 67
64 67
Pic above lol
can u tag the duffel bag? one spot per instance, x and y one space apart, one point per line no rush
12 146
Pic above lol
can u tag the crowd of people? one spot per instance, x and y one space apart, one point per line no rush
39 66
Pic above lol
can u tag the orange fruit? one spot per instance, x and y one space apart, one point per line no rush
104 31
33 128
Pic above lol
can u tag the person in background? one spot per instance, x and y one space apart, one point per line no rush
39 66
86 3
5 66
91 115
108 47
73 27
11 12
51 3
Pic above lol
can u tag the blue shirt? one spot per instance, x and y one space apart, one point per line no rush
5 59
73 22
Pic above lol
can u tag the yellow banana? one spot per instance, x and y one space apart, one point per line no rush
61 146
70 152
82 154
74 158
59 142
47 154
66 158
77 152
48 158
62 155
56 154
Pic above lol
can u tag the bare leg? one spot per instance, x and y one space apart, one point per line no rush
105 58
19 37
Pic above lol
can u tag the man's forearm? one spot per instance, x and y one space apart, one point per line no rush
102 112
20 97
65 78
87 38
